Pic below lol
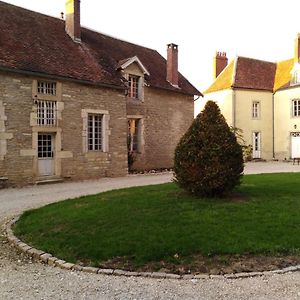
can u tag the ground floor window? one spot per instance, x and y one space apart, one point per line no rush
134 135
95 132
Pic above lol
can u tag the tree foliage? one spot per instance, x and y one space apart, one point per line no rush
208 158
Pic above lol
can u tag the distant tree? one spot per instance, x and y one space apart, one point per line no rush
208 158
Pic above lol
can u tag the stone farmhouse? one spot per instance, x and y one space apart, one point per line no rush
263 100
73 101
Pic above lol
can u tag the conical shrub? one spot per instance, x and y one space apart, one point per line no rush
208 159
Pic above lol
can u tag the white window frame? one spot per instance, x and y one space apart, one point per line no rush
46 87
296 108
255 109
296 77
46 113
105 132
94 128
134 86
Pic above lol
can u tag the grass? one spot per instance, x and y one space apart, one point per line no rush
161 222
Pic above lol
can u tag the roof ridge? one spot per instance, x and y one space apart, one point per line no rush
85 27
116 38
261 60
30 10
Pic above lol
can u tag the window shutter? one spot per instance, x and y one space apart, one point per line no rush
105 132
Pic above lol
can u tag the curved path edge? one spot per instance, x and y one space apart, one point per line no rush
47 258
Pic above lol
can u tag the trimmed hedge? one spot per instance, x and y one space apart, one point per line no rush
208 158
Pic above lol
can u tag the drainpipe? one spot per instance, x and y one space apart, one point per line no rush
233 109
273 128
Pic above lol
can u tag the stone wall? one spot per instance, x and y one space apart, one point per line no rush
18 149
166 116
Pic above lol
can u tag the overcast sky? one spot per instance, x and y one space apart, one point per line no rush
261 29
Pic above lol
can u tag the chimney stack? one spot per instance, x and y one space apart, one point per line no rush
220 63
297 49
73 19
172 64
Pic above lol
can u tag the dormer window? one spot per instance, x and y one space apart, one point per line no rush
134 73
133 86
296 78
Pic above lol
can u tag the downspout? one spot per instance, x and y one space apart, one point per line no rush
273 127
233 108
234 94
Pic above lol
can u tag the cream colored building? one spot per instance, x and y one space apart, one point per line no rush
263 100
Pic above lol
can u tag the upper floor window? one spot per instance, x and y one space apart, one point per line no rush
296 108
94 132
46 88
255 109
133 86
46 113
296 78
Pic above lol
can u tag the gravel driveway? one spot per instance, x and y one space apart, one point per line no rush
20 278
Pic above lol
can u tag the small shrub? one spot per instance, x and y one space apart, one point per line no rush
208 158
247 149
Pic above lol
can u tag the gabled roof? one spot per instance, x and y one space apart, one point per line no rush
253 74
124 63
36 43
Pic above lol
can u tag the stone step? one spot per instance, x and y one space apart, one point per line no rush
48 180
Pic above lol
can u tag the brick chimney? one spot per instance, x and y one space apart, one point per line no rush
73 19
220 63
172 64
297 49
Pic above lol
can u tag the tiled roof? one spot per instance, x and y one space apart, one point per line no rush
283 74
224 80
254 74
38 43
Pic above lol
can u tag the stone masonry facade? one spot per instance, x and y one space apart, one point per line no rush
164 115
18 131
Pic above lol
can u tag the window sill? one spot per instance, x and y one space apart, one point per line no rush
135 99
95 154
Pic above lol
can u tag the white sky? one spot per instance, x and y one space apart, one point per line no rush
261 29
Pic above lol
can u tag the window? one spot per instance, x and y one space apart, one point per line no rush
46 113
45 146
255 109
94 132
134 134
296 108
133 86
46 88
296 77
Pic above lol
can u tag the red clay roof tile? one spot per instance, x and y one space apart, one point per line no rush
35 42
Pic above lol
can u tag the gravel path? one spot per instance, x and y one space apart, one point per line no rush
20 278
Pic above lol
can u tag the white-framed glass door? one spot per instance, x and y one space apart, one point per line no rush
256 144
295 145
46 154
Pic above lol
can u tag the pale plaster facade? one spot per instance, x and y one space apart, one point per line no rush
275 122
284 122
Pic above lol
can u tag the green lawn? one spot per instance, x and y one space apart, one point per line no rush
154 223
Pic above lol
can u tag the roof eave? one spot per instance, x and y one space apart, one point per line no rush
58 77
180 91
